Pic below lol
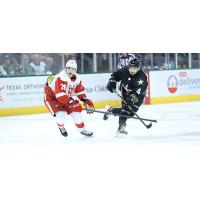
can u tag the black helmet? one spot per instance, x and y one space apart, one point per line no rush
135 63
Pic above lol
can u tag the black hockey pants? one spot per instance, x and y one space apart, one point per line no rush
124 110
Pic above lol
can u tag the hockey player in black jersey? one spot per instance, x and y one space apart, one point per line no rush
134 84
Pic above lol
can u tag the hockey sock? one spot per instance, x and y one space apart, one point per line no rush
77 118
60 118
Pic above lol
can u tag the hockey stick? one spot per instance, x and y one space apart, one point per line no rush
98 111
146 125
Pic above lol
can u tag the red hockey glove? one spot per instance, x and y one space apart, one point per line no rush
88 105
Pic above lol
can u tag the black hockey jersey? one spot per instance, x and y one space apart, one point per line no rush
136 84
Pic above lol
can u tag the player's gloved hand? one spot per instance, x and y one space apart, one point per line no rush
88 105
111 85
131 100
70 101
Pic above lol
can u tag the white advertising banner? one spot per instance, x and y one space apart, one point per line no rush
21 91
95 85
174 82
28 91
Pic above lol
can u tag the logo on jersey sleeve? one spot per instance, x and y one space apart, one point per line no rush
140 82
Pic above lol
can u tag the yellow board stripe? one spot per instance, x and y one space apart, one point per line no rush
173 99
22 110
43 109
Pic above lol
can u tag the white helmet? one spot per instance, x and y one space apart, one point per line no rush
72 64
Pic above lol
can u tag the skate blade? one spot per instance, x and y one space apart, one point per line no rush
87 135
120 135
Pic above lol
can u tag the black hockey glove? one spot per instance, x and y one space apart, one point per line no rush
111 85
88 105
131 100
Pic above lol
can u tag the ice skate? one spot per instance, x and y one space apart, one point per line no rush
63 131
108 110
87 133
121 130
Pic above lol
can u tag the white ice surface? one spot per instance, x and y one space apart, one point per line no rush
162 162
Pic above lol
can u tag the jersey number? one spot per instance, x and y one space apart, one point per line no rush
138 91
64 87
